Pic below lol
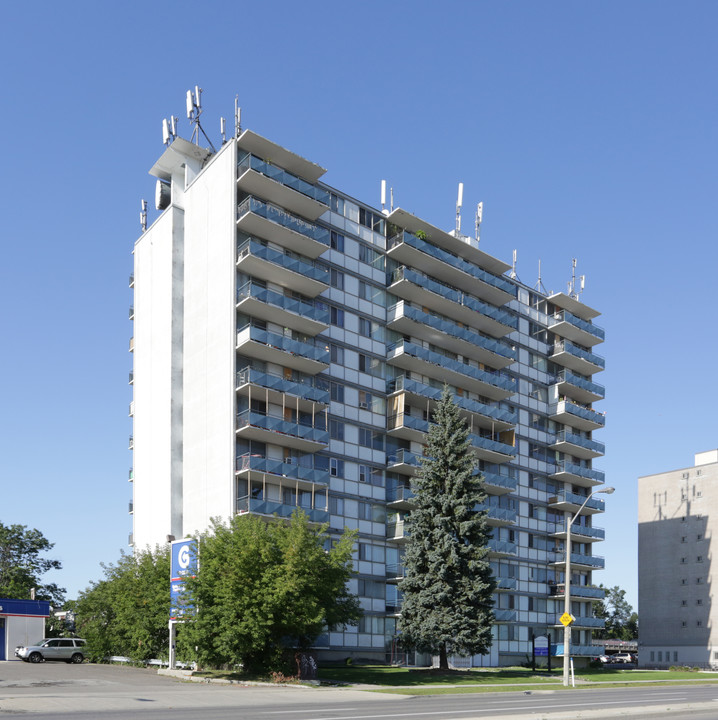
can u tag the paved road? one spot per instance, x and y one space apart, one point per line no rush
52 690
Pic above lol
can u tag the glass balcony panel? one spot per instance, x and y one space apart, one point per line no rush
301 266
310 388
317 311
312 351
579 591
278 425
579 650
573 469
267 507
459 264
494 512
283 218
564 436
574 499
499 480
587 385
251 162
293 471
572 349
502 547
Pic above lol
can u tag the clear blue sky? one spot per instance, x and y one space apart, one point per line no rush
588 130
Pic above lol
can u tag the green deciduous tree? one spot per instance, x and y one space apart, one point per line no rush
22 565
621 620
127 612
448 605
264 587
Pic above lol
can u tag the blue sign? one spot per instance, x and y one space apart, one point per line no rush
184 564
541 644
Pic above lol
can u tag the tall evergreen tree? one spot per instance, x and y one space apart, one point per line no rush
448 585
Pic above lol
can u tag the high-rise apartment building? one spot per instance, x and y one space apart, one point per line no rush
289 345
675 597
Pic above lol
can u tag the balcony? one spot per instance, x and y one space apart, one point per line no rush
258 177
576 416
397 531
267 507
505 583
578 591
132 377
256 467
571 502
276 431
404 462
131 475
269 222
411 357
582 622
132 344
504 616
474 412
132 280
304 395
463 341
446 264
577 474
399 497
577 445
131 444
581 533
578 388
498 516
131 507
309 317
395 572
568 326
497 483
305 356
413 428
132 312
579 561
132 409
501 548
410 284
577 359
302 275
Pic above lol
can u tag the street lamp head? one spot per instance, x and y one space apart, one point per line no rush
607 490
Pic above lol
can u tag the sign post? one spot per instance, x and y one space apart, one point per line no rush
183 565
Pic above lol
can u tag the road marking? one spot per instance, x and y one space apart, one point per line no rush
475 711
313 710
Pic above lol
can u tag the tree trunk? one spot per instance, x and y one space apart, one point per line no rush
443 657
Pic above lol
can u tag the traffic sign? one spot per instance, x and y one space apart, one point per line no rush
566 619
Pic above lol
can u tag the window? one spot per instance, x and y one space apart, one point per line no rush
699 581
699 602
683 560
371 588
684 624
336 467
371 624
699 558
684 581
683 539
336 430
336 505
336 316
336 392
370 256
699 623
699 537
684 603
675 655
372 293
336 354
336 241
371 439
336 279
371 366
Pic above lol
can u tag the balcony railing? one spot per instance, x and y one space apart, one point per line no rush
251 162
583 621
395 570
595 561
399 493
474 406
504 583
454 330
493 512
579 650
283 218
449 293
314 310
572 379
283 427
566 316
564 436
504 616
572 349
589 473
574 499
301 266
259 463
586 531
248 504
579 591
502 547
497 379
464 266
311 388
311 350
583 412
404 457
499 480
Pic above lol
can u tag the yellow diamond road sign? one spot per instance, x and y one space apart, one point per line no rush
567 619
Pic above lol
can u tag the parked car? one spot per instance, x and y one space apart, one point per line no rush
71 650
605 659
623 658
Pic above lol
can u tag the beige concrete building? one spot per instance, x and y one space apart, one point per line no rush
675 576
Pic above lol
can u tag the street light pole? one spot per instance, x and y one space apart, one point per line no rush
567 584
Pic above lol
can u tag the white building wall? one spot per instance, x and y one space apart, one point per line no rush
21 630
209 343
154 481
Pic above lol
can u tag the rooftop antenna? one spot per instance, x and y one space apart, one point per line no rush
479 217
459 203
166 133
173 126
383 196
539 285
237 117
223 129
391 199
513 265
194 110
143 214
583 284
572 284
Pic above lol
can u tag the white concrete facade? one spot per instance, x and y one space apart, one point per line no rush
676 525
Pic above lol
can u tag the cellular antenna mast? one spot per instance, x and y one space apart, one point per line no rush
143 214
513 265
572 284
539 285
237 117
383 197
479 218
194 111
459 203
